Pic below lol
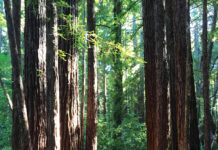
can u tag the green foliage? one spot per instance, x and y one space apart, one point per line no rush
133 134
63 4
2 20
5 112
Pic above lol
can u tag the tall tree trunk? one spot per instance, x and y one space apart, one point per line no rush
193 132
117 67
180 47
35 71
16 5
150 73
91 126
20 126
53 103
160 112
205 62
171 61
69 83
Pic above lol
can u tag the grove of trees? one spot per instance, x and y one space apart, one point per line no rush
108 75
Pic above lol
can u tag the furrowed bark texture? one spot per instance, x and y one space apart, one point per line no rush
53 104
69 83
171 62
35 71
161 115
91 125
150 74
180 47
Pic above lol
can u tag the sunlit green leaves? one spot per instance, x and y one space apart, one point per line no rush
2 21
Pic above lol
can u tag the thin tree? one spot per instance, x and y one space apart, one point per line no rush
20 125
53 106
104 91
205 63
117 67
91 125
6 94
193 132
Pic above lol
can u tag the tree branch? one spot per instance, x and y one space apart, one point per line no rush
6 95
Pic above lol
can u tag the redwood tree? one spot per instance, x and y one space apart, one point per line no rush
20 125
69 84
180 49
53 106
35 71
170 52
155 74
160 112
91 125
150 73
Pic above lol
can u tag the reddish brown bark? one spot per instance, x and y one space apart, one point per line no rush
150 74
53 103
180 47
161 116
173 143
69 83
91 125
35 71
